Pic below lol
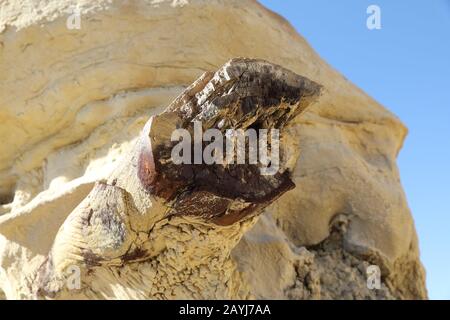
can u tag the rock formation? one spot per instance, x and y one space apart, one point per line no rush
74 103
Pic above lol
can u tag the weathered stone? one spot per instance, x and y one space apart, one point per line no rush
72 104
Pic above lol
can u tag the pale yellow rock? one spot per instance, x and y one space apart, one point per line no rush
72 102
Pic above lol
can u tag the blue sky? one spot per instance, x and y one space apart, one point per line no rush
406 66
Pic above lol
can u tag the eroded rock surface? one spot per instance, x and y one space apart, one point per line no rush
72 104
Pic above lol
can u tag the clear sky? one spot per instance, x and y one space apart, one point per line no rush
406 66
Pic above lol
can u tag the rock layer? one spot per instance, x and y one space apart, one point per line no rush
72 102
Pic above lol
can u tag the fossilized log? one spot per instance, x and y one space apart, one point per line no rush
149 200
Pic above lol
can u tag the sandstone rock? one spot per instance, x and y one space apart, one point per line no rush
72 104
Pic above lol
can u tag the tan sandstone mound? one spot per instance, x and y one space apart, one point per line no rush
82 187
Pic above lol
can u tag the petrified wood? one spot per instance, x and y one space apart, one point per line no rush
130 218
